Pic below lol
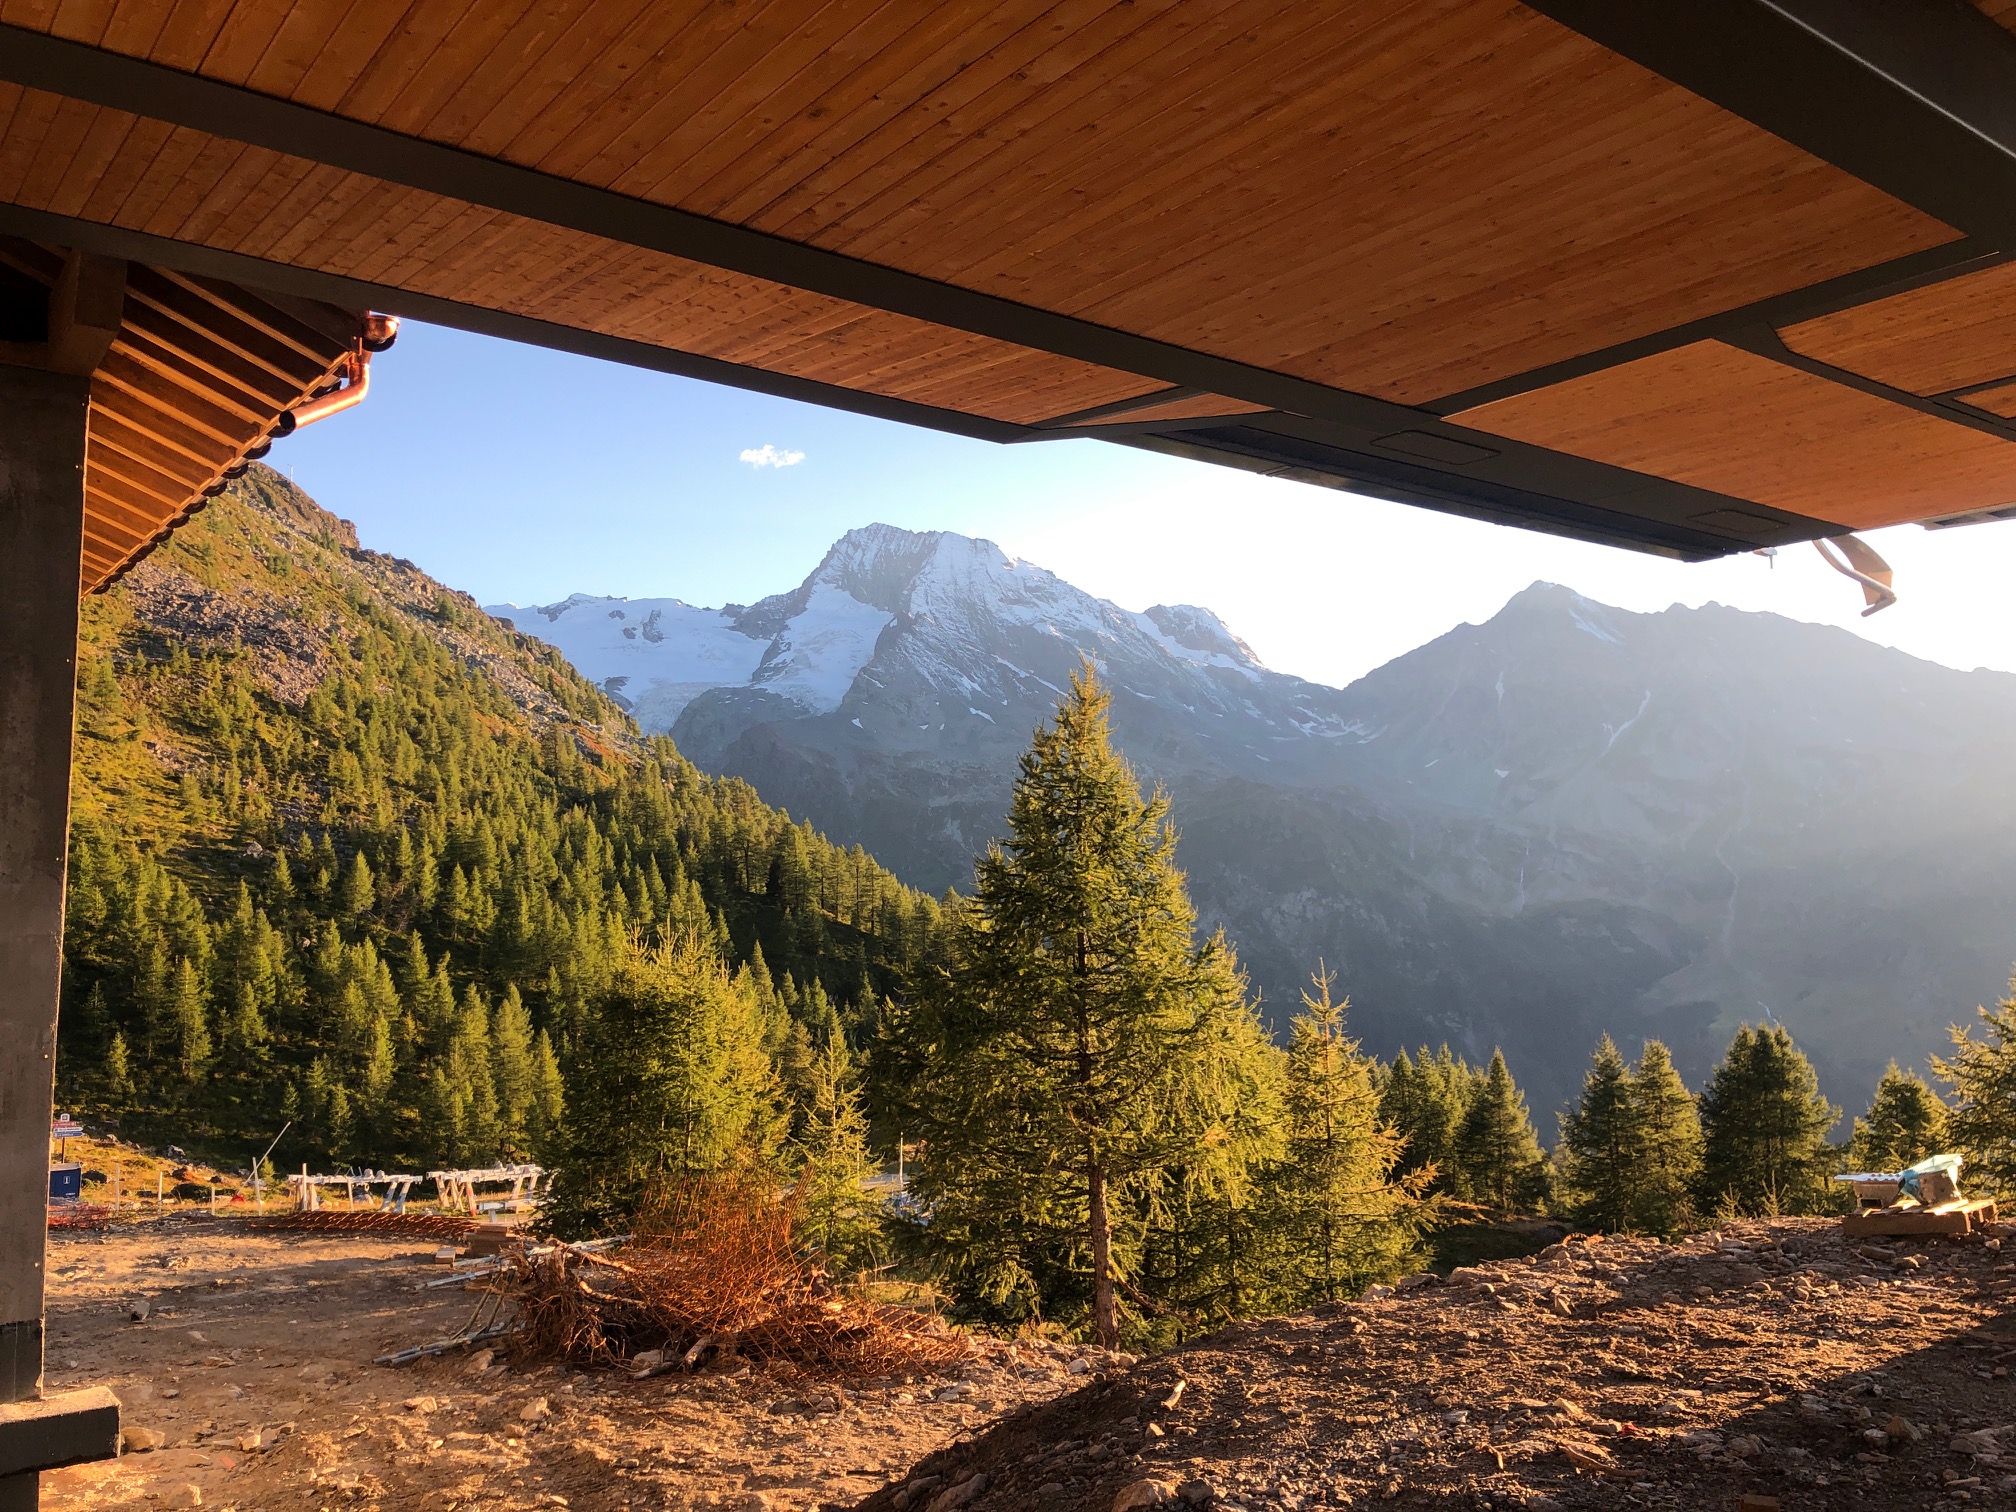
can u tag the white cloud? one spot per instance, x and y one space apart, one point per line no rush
767 455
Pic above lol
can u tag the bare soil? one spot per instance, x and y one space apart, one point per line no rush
253 1365
1767 1360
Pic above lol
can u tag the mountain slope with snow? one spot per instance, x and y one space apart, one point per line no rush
1567 820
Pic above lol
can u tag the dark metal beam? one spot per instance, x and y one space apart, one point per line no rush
1471 463
1917 97
1762 341
356 294
1551 492
1915 270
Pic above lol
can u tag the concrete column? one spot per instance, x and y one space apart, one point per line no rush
42 426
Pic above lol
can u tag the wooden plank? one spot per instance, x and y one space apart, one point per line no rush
2000 400
2003 11
189 32
1949 1218
1201 406
1944 336
1729 420
174 469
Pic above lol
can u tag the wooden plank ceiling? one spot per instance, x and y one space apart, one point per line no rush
1458 220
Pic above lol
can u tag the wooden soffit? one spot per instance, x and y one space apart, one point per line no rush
1326 241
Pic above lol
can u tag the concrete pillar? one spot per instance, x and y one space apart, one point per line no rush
42 426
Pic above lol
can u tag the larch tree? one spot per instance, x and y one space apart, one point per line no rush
1600 1144
1669 1145
671 1081
1499 1151
1084 1044
1764 1128
1982 1072
834 1208
1906 1122
1341 1218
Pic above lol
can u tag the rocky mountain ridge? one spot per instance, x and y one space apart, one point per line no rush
1566 820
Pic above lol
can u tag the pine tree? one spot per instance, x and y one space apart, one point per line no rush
1086 1045
190 1016
516 1072
836 1212
1906 1122
1601 1144
671 1080
1425 1100
1500 1153
1668 1162
118 1073
1982 1074
1764 1128
358 893
1340 1218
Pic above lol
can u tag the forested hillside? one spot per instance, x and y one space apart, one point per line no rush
346 851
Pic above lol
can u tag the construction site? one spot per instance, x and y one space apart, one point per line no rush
275 1366
1696 281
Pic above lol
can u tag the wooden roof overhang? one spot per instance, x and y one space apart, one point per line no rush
189 379
1692 279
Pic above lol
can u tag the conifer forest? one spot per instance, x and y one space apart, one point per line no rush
352 861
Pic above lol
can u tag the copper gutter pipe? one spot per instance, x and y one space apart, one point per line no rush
379 332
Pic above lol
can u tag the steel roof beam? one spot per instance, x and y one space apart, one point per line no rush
1916 97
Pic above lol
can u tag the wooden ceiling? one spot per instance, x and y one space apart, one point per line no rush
1541 263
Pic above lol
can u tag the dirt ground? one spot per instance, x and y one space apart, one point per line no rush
1772 1361
253 1366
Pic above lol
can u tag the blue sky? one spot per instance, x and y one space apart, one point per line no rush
524 475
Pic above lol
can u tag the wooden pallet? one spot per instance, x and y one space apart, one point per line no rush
1958 1217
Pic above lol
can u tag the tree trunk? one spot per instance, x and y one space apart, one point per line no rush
1105 1311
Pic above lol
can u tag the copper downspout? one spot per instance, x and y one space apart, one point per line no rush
379 332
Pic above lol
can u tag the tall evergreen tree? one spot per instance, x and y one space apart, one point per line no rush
1905 1123
1668 1162
1601 1144
836 1211
1425 1099
1499 1151
1086 1045
1764 1128
1982 1074
1339 1218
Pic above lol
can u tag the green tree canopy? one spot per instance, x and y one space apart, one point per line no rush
1764 1128
1669 1145
1982 1072
1906 1122
1085 1044
671 1081
1340 1218
1600 1143
1498 1150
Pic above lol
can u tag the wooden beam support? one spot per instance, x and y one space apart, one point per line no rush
43 417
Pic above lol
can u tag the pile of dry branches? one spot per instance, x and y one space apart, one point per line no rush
711 1271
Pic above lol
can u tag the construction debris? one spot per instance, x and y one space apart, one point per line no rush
1923 1200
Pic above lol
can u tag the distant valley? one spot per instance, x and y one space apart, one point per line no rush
1566 820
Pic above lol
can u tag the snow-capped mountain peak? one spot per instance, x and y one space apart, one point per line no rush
941 614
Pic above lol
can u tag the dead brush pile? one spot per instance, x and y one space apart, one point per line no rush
711 1271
